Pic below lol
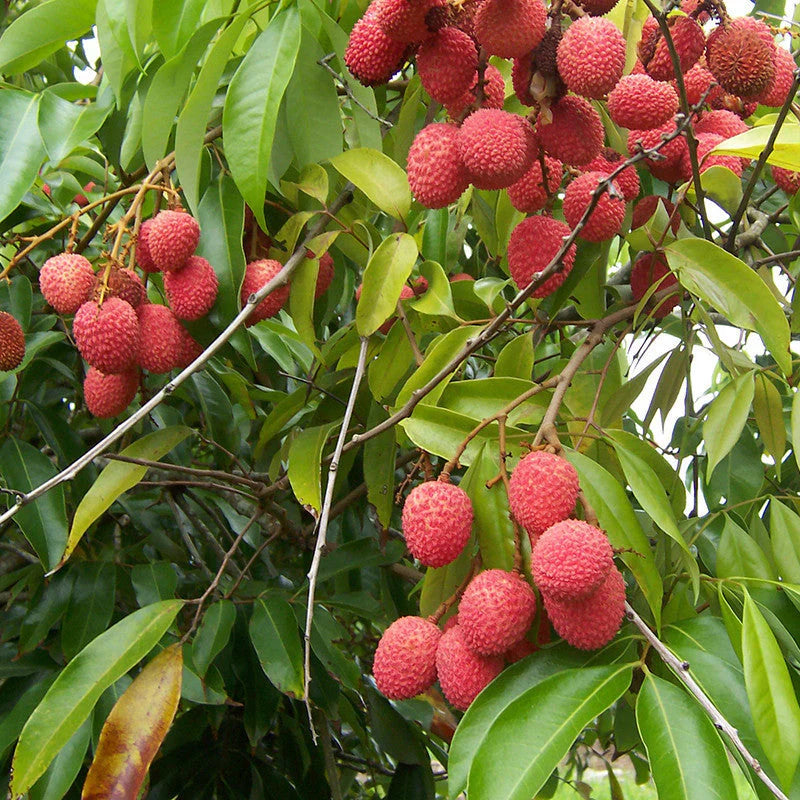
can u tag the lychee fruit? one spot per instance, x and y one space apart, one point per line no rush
161 339
575 134
533 244
776 94
405 660
109 395
404 20
496 147
669 169
741 56
325 273
172 238
419 286
192 289
107 336
122 283
531 192
646 207
463 673
436 173
66 282
461 276
524 647
496 610
723 123
371 56
687 37
706 142
256 275
143 257
510 28
190 349
522 71
12 342
591 56
493 93
627 181
542 491
607 216
447 64
639 102
651 268
696 82
787 180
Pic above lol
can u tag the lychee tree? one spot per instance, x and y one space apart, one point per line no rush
398 400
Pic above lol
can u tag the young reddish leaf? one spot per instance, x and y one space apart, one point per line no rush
135 728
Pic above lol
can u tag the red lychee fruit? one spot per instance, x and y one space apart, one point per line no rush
522 72
172 238
404 20
436 173
741 57
646 207
542 491
607 162
723 123
143 257
496 147
575 134
461 276
650 268
462 16
590 623
533 244
324 274
107 335
462 672
493 93
192 289
190 349
66 282
12 342
510 28
419 286
122 283
697 81
689 41
437 521
777 92
606 219
371 56
524 647
706 142
529 194
161 339
571 559
447 64
256 275
495 611
670 168
787 180
405 660
591 56
640 103
109 395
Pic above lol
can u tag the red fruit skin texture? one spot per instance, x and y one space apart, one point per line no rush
172 238
647 269
570 560
107 336
521 73
640 103
161 339
66 281
510 28
778 90
436 173
405 660
607 162
109 395
462 672
524 647
543 490
646 207
143 257
371 56
575 135
12 342
495 611
741 58
324 275
787 180
723 123
494 93
533 244
689 41
670 169
404 20
605 220
706 142
190 349
696 82
496 147
122 283
593 622
529 194
191 290
447 64
591 57
437 521
256 275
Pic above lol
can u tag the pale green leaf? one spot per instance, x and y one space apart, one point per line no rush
727 416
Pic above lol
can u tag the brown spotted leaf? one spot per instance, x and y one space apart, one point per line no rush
134 730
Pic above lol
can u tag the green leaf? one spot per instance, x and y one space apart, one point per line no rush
727 416
623 398
784 532
768 411
118 477
384 278
91 605
437 300
533 733
213 634
687 757
305 459
750 144
215 409
439 583
252 104
70 699
411 782
379 461
776 714
175 22
485 397
516 358
380 178
64 125
739 555
116 47
795 422
64 768
274 634
153 581
727 284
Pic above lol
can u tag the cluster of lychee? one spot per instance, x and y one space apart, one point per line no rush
571 564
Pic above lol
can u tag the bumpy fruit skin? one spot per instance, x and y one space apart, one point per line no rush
192 290
723 123
143 257
533 244
371 56
437 521
495 611
627 181
66 281
405 660
324 274
696 82
670 169
542 491
510 28
109 395
590 623
161 339
172 238
12 342
575 134
496 147
524 647
447 64
689 41
404 20
256 275
787 180
462 672
605 220
571 559
706 142
741 58
190 349
530 194
646 207
494 93
778 90
640 103
122 283
647 270
436 173
591 56
107 336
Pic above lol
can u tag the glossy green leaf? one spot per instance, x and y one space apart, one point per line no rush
116 47
411 782
91 605
64 125
751 143
379 466
276 639
437 299
795 423
485 397
64 768
70 699
439 583
216 411
623 398
739 555
394 362
768 411
516 358
213 634
305 460
784 532
175 22
154 581
727 416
